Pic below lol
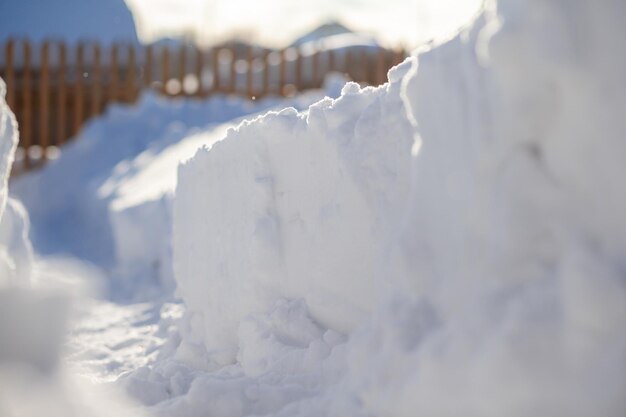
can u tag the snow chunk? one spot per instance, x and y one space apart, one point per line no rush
293 205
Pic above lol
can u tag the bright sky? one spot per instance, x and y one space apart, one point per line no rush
277 22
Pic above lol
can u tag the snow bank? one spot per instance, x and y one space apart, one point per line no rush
293 205
494 287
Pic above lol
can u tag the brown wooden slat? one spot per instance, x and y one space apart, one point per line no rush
26 139
96 81
44 99
198 71
331 61
282 72
266 73
114 74
381 67
364 65
61 96
298 70
232 88
315 70
250 72
182 68
131 75
78 89
165 68
215 57
347 65
147 68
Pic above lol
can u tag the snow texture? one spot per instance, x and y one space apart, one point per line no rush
316 193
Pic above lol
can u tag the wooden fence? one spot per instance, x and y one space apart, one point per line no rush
53 87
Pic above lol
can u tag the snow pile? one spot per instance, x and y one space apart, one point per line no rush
498 281
107 199
293 205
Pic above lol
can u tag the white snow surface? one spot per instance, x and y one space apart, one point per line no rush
449 243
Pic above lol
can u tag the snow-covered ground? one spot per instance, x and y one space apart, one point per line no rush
449 243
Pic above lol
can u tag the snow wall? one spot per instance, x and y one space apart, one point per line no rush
463 224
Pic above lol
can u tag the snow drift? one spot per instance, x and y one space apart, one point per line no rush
495 287
315 197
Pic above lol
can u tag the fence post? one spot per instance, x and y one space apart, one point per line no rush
233 72
26 129
78 89
282 71
131 75
147 69
381 66
250 72
266 73
114 73
199 70
331 61
96 86
347 65
165 68
298 75
182 67
365 73
215 58
61 97
44 99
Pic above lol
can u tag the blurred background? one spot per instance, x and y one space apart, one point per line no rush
65 61
272 23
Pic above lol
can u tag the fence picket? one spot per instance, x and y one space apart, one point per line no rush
147 67
250 72
96 81
44 99
165 68
215 60
61 97
78 89
182 68
232 89
114 74
27 125
131 75
198 71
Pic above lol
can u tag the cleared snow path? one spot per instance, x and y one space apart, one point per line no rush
110 339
